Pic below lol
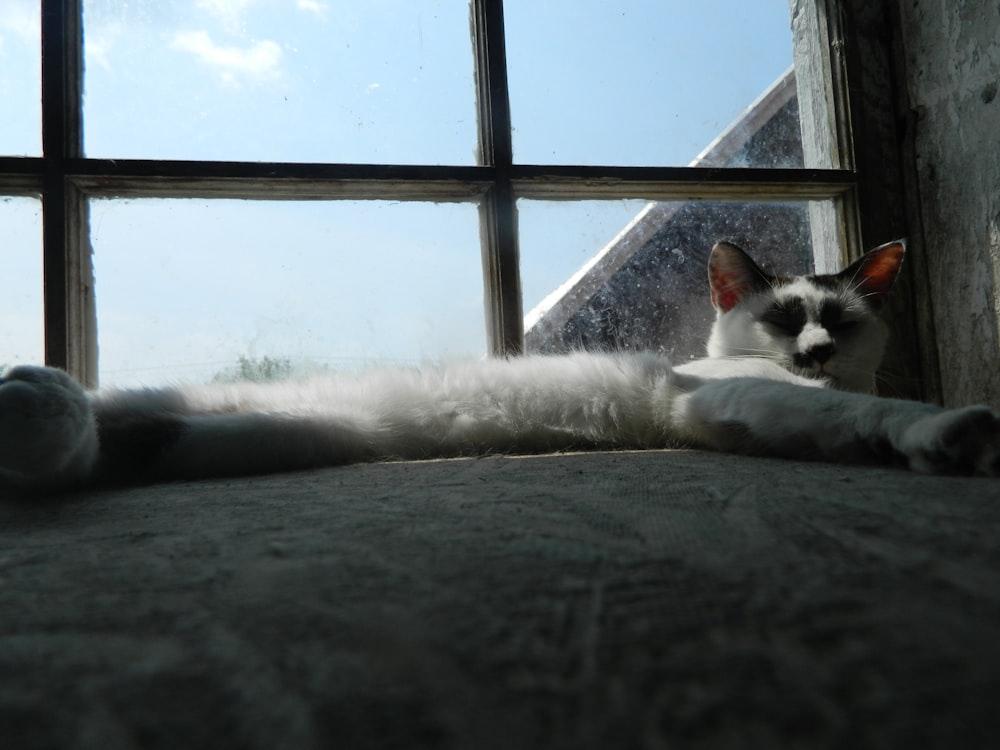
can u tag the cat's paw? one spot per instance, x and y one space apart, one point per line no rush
957 441
48 437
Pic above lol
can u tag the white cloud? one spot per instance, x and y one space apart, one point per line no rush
96 51
100 40
23 19
229 12
259 61
313 6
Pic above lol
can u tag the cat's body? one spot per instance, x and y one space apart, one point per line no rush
790 362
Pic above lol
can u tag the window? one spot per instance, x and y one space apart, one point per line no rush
279 81
21 282
374 181
166 311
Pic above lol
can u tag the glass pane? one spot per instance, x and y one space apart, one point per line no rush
21 339
636 82
559 239
20 78
646 287
280 80
199 290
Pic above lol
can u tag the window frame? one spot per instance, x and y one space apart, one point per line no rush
66 179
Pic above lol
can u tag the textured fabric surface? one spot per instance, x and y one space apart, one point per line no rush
628 600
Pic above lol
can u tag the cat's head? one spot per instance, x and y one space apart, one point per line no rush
824 326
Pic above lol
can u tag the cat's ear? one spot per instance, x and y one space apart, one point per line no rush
874 273
732 275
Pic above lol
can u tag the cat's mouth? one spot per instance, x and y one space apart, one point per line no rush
814 365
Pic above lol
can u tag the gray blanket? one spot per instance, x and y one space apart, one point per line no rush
626 600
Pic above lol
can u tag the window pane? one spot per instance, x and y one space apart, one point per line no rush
21 282
646 287
20 78
651 83
280 80
558 239
186 288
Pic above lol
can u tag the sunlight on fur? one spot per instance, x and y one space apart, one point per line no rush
790 371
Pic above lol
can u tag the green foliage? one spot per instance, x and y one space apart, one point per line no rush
256 370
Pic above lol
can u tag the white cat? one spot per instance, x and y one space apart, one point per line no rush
790 365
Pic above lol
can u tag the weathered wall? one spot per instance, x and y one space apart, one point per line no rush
952 63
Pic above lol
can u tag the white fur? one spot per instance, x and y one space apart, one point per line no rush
749 396
741 333
47 433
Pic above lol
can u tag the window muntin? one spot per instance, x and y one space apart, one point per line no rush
378 81
20 78
71 183
335 285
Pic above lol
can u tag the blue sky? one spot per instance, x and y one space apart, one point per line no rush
184 287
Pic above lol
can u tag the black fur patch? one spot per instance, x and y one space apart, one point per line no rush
828 281
788 316
131 445
830 313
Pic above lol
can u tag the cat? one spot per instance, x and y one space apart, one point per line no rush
789 373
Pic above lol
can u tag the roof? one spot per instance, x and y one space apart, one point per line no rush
766 134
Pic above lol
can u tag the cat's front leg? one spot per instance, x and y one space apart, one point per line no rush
955 441
48 435
765 417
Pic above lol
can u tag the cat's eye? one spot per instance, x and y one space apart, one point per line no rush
831 317
783 323
787 320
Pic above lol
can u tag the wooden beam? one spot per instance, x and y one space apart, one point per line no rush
498 211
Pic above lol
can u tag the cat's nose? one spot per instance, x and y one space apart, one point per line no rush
822 353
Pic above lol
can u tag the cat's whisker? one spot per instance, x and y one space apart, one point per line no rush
768 375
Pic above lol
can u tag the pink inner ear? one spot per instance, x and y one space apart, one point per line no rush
725 290
876 272
731 274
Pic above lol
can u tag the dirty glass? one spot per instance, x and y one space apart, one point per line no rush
378 81
20 78
644 286
637 83
219 289
21 282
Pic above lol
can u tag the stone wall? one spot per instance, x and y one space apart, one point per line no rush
952 64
